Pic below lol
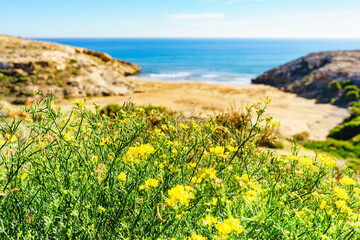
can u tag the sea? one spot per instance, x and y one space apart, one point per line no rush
229 61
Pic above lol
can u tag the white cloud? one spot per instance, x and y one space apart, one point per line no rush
197 16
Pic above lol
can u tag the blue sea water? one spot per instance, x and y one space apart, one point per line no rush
233 61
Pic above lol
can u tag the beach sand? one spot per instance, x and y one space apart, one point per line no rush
296 114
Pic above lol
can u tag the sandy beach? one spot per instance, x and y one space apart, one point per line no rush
295 114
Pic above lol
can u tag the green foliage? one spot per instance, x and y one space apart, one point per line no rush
346 83
84 175
19 101
111 109
150 109
352 95
347 130
355 110
349 88
338 148
334 87
354 164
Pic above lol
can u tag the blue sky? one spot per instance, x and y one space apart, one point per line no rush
182 18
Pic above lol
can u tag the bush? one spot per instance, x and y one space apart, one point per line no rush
355 110
83 175
19 101
351 88
346 83
339 148
347 130
110 109
334 87
352 95
302 136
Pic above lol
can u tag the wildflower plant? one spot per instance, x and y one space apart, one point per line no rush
85 175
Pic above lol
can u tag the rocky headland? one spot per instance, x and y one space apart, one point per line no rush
311 75
66 71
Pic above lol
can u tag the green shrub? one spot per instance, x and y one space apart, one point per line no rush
110 109
351 88
347 130
19 101
346 83
150 109
353 164
334 87
352 95
84 175
339 148
301 136
355 110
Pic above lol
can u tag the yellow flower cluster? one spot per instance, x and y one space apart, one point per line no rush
122 176
227 226
341 205
135 153
327 161
209 220
218 151
68 136
179 194
205 173
347 181
80 104
341 193
195 236
150 183
10 139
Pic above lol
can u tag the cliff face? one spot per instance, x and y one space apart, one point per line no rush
309 76
68 71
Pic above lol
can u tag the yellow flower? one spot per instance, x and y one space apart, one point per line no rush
101 209
231 148
135 153
150 183
322 204
306 161
179 194
122 176
300 213
245 178
195 236
205 173
327 161
10 138
347 181
341 193
209 220
24 175
218 150
228 225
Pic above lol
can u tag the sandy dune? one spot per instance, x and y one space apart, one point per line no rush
295 114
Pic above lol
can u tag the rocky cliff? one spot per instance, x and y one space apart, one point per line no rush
68 71
310 76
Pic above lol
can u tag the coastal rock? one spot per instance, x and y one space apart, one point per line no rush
67 71
309 76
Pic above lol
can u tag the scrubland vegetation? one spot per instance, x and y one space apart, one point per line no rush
344 140
145 174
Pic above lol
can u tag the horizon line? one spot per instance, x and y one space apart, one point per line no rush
278 38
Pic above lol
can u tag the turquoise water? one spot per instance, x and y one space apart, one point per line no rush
234 61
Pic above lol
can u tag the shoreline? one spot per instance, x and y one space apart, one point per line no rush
296 114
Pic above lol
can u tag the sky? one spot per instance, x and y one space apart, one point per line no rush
181 18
